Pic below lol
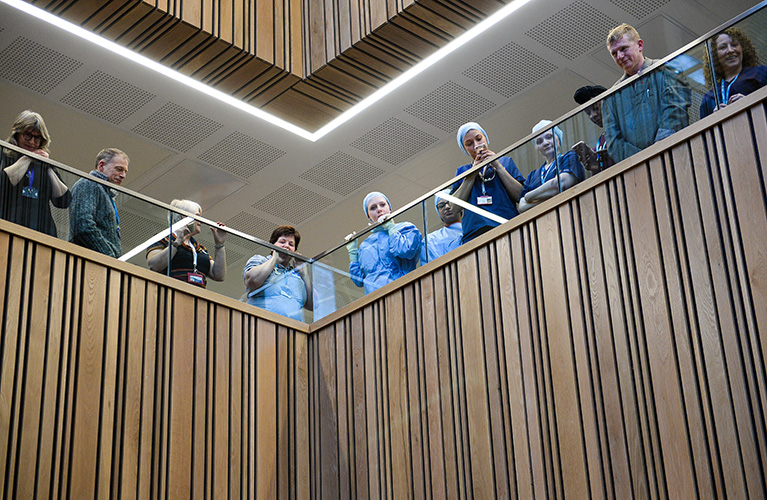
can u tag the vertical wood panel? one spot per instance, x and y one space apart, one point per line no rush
482 484
611 347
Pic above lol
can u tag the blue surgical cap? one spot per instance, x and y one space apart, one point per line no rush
464 129
437 197
544 124
367 200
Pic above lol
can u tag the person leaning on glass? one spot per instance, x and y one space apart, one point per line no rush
560 170
737 69
190 261
276 283
27 186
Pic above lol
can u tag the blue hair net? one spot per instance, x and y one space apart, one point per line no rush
464 129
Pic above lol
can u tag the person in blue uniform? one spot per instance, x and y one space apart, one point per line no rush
390 252
495 188
446 238
736 65
275 283
543 182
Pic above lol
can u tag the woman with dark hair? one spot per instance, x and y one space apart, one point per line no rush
275 283
28 186
736 65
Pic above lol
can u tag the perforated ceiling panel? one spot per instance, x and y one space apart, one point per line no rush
177 127
252 225
241 155
34 66
448 106
574 30
135 228
293 203
342 173
510 69
639 8
107 97
394 141
234 259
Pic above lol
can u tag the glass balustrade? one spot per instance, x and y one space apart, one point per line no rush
557 155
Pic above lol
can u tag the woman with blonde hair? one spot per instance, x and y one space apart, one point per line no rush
189 261
28 186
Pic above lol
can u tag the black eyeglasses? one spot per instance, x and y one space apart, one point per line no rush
32 137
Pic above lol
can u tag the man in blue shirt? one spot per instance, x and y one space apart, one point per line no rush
448 237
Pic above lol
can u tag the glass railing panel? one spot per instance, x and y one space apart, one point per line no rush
332 280
585 137
89 222
735 55
444 229
271 277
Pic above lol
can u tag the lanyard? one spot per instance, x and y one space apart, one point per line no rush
545 171
30 176
194 255
726 96
117 216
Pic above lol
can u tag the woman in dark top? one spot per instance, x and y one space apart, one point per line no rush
559 171
28 186
190 261
737 69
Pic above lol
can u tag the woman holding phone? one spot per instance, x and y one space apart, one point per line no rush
189 261
496 188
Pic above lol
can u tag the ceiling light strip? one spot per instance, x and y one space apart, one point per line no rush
252 110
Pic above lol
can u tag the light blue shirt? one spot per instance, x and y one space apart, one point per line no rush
442 241
384 257
283 292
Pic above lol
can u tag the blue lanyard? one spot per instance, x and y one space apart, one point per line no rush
726 96
117 216
30 176
545 171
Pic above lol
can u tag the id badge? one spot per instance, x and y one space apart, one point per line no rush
484 200
196 279
29 192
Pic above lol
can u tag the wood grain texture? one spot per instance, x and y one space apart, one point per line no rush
611 346
306 62
118 385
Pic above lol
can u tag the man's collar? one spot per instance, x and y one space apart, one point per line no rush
100 175
645 64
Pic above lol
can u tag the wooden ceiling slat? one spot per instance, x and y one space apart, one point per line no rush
261 50
302 110
314 88
267 87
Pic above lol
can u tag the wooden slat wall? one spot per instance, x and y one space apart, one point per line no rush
613 347
113 385
306 61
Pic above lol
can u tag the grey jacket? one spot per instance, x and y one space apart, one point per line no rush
93 220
